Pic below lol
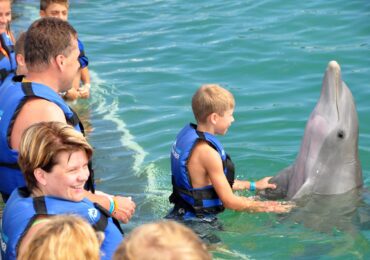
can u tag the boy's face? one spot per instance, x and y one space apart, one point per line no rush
55 10
224 122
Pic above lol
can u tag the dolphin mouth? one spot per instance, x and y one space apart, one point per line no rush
335 77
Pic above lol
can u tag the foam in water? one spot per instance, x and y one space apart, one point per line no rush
110 112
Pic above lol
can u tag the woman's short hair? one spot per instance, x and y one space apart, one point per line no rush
41 143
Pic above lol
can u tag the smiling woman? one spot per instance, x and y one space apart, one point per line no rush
7 56
53 158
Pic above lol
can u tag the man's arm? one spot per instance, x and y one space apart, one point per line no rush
85 78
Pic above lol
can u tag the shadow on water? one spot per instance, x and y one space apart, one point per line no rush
346 212
319 227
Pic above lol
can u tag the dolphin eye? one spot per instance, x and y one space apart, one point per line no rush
341 134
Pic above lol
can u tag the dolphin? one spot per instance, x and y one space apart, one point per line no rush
328 161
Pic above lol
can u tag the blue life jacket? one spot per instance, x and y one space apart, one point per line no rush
200 201
21 211
12 98
8 63
84 61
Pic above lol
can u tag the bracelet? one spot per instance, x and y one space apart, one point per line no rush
252 186
111 205
114 203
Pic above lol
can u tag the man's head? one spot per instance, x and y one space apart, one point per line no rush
54 8
211 98
52 43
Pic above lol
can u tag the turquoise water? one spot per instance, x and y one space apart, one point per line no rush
148 57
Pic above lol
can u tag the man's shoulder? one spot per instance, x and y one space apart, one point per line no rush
41 103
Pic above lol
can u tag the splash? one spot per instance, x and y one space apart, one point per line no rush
110 111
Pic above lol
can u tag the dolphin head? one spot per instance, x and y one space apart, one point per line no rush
328 161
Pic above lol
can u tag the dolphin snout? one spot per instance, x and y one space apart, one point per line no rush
333 65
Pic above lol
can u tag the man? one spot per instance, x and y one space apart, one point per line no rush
59 9
51 56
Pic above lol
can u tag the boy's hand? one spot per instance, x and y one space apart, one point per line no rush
72 94
264 184
255 205
84 90
278 207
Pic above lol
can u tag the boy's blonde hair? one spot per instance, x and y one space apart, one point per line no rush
162 240
44 4
211 98
63 237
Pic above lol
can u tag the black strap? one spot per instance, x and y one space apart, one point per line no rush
8 48
18 78
27 89
3 74
74 120
39 205
103 221
14 166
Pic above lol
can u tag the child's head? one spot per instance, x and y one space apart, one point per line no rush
162 240
54 8
211 98
19 54
63 237
5 15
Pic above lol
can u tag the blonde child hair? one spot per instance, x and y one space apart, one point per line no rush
211 98
162 240
64 237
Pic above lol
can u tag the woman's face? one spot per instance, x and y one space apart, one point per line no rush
67 178
5 15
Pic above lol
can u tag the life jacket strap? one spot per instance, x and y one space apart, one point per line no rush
14 166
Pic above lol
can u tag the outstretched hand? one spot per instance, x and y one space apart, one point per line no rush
256 205
264 184
124 208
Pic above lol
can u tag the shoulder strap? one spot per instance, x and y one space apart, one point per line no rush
103 221
39 205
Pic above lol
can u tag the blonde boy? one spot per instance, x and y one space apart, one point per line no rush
63 237
202 173
162 240
59 9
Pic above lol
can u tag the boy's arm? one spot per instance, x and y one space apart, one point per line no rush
85 78
260 185
212 163
85 75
